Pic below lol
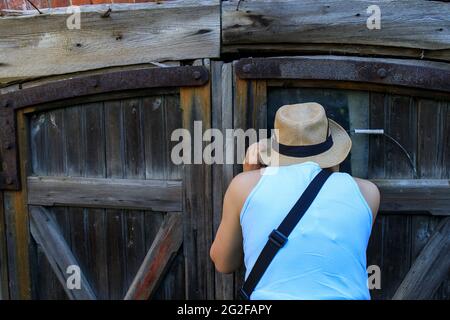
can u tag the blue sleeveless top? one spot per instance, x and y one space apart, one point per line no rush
325 256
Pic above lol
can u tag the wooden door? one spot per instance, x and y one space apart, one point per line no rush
411 102
99 189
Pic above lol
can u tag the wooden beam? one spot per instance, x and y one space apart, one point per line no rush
430 268
431 195
222 119
166 244
130 34
196 105
156 195
47 235
17 224
4 287
285 22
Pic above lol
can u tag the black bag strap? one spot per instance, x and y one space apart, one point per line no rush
278 237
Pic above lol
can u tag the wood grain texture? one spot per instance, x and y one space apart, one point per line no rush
178 30
420 195
156 195
403 23
279 49
4 287
165 245
196 105
241 117
113 139
17 224
430 268
48 236
222 119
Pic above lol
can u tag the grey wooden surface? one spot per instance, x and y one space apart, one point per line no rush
156 195
118 139
178 30
408 24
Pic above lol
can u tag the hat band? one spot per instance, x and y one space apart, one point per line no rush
303 151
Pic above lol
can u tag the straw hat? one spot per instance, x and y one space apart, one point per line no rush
305 134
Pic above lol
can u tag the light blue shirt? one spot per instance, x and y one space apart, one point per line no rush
325 256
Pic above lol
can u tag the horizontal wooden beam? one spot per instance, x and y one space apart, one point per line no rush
48 236
166 244
42 44
399 195
156 195
284 22
430 268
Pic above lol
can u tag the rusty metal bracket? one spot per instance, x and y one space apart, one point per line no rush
9 171
107 82
426 75
76 87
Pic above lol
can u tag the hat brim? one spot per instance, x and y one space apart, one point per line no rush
333 156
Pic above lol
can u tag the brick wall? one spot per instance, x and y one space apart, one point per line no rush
25 5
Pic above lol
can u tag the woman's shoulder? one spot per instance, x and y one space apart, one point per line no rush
242 185
371 194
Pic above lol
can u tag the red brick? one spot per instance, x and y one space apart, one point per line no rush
80 2
60 3
100 1
17 4
3 4
38 3
123 1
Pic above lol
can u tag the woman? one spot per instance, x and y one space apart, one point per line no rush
325 255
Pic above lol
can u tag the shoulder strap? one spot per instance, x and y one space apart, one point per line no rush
278 237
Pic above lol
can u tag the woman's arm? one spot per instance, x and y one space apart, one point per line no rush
226 251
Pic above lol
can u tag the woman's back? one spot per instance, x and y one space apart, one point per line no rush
325 257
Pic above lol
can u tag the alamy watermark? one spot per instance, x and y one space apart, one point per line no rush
73 281
374 21
74 19
213 146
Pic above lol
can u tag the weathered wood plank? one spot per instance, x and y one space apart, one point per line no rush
115 218
222 119
52 148
431 195
173 285
403 23
159 195
17 224
95 223
4 287
431 138
48 236
430 268
196 105
178 30
277 49
241 99
164 247
134 168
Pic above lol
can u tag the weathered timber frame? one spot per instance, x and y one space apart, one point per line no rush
80 87
26 216
254 75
